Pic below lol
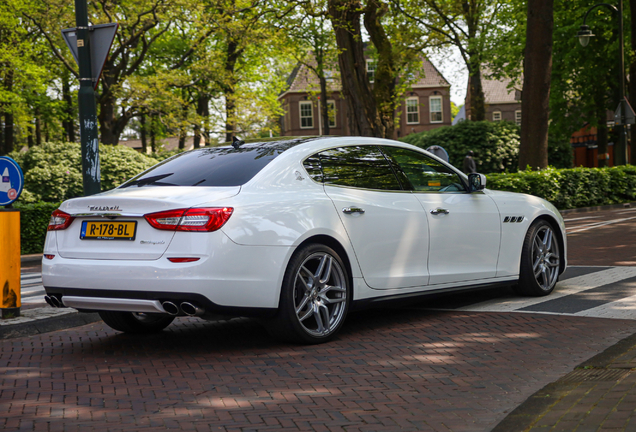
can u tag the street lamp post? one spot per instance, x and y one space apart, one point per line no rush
86 104
584 34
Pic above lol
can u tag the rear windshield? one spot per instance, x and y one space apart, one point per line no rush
213 166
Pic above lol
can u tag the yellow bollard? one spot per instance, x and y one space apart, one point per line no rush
10 300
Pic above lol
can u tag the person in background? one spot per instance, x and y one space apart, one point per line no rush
469 163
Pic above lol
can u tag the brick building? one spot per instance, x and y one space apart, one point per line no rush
426 104
502 102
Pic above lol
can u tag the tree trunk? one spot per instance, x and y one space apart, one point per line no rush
143 134
153 133
203 111
69 116
111 125
384 83
2 152
537 68
362 113
477 98
233 54
38 128
324 106
632 75
8 115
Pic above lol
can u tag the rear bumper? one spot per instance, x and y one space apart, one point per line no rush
90 300
234 277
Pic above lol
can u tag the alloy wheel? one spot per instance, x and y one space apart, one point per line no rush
320 294
545 258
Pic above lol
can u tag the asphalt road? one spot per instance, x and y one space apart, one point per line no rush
458 363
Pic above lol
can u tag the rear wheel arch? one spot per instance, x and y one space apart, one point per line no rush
336 246
315 295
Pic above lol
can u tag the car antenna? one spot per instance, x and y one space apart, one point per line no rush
236 143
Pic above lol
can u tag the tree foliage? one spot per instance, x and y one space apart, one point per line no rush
476 28
495 144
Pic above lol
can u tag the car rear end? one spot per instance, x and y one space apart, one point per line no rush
156 245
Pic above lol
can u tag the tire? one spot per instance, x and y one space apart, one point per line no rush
540 261
139 323
315 297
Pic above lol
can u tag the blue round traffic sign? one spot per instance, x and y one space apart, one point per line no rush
11 180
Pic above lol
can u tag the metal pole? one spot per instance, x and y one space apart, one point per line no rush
86 104
620 154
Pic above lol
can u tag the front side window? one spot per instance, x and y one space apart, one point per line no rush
435 103
424 173
306 115
496 116
363 167
518 117
412 110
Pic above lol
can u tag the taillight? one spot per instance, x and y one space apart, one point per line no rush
59 220
194 219
183 260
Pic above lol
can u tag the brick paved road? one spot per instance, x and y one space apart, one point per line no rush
389 370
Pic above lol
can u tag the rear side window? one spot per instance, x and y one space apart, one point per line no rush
216 166
356 166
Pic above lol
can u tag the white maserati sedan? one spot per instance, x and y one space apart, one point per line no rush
296 231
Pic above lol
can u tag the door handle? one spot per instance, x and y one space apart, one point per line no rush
439 211
350 210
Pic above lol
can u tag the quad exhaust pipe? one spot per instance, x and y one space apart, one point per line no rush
53 301
170 307
185 307
191 309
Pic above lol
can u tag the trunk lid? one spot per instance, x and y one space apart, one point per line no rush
111 225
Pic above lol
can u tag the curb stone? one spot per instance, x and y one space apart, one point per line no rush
47 325
536 406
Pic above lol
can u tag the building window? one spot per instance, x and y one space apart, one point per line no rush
518 117
371 67
331 110
496 116
435 103
306 115
413 110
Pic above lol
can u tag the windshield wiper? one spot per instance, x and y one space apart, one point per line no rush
148 180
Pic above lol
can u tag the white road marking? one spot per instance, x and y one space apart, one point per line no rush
31 289
582 228
567 287
581 218
624 308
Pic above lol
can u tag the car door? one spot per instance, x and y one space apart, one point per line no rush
386 224
464 228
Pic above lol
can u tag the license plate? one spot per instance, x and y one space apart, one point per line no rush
108 230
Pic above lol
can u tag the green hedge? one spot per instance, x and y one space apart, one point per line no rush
495 144
565 188
574 187
53 171
34 219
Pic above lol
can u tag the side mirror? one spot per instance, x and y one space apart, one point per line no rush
476 182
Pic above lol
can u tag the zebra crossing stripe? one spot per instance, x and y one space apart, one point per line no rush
624 308
565 288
